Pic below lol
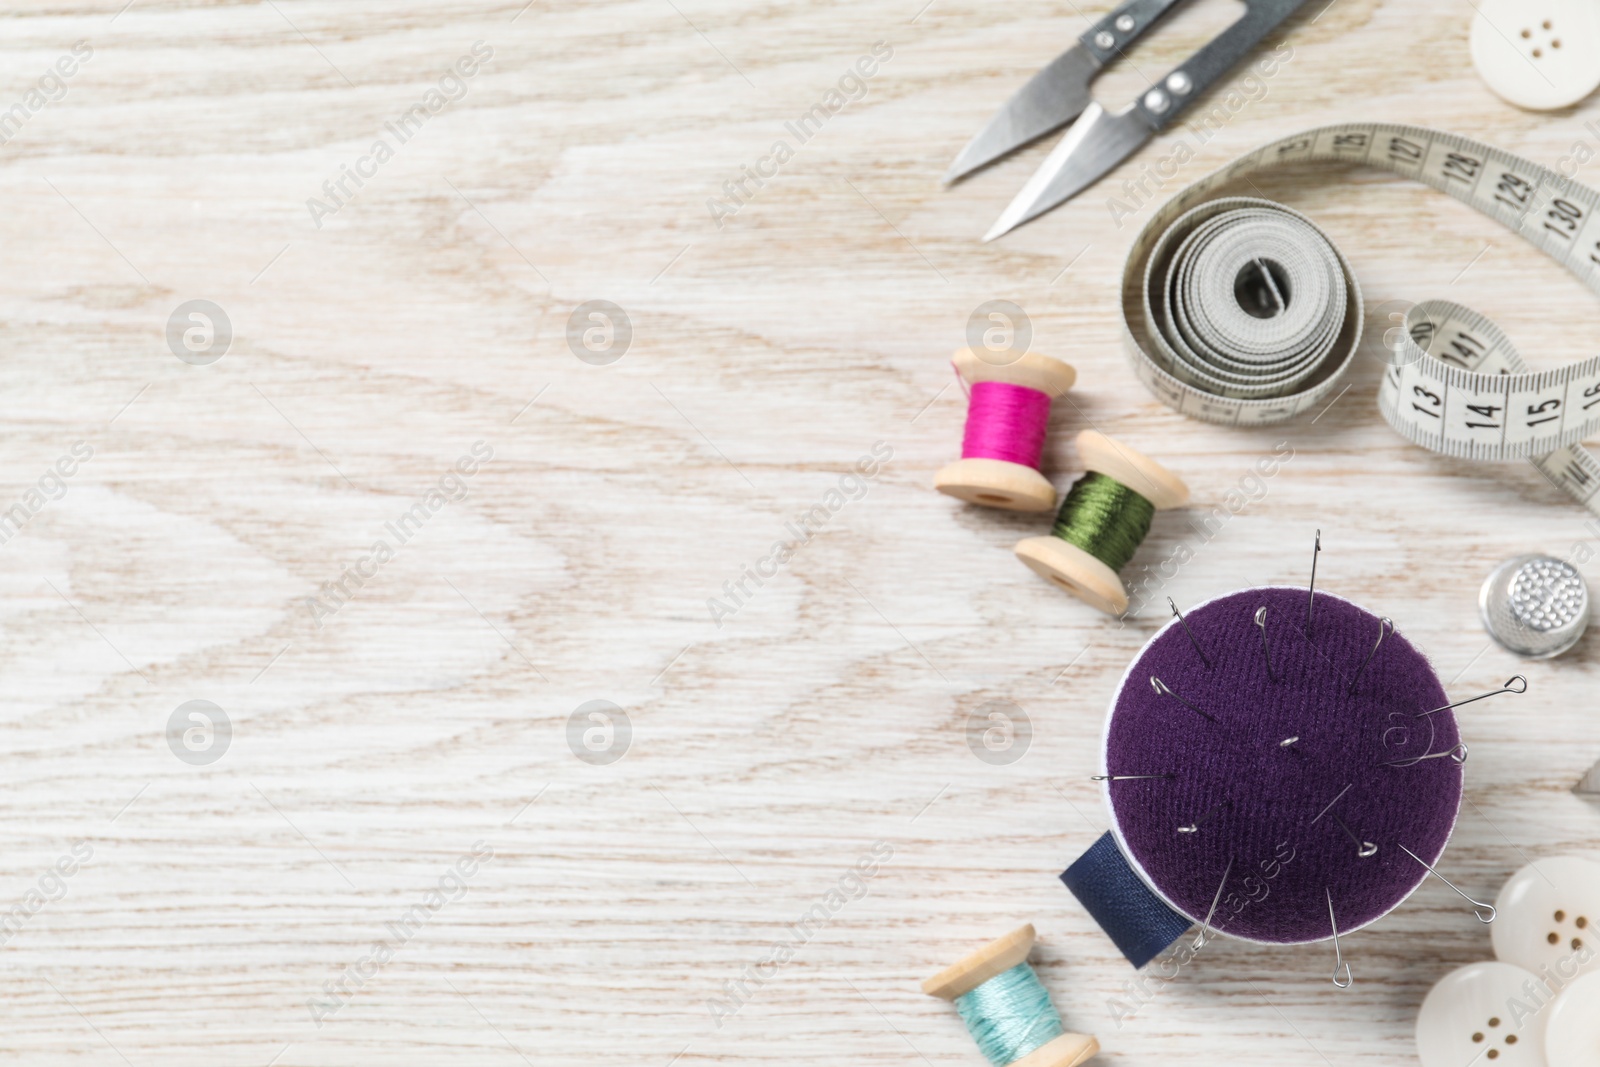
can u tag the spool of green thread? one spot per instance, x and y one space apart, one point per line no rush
1007 1009
1105 518
1102 521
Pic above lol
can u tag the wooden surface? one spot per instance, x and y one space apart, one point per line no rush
768 754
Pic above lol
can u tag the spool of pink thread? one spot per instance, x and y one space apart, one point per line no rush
1008 413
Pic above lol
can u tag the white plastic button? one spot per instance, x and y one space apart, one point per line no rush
1538 54
1549 919
1482 1014
1572 1035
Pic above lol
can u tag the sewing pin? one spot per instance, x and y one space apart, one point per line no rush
1161 687
1508 688
1185 624
1385 625
1458 753
1311 598
1194 827
1205 927
1123 777
1332 802
1338 955
1478 906
1364 849
1261 622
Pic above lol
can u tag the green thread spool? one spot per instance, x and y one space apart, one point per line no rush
1103 520
1007 1009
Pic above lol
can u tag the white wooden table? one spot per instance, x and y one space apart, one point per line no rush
227 908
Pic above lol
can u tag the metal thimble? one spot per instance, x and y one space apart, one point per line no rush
1535 606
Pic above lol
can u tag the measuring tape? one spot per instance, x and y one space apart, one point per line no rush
1212 327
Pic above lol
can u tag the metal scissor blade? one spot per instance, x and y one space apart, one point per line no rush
1052 98
1097 142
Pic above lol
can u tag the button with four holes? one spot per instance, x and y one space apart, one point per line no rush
1572 1035
1537 54
1472 1016
1549 919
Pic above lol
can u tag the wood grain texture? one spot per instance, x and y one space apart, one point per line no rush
768 754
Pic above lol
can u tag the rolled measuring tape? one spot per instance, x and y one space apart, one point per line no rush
1240 311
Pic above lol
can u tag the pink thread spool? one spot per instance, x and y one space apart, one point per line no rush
1008 413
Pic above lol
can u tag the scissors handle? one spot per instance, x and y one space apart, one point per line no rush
1163 102
1126 23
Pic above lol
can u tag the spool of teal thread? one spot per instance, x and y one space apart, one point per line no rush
1007 1009
1010 1015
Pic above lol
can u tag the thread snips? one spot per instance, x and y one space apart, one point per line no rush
1099 140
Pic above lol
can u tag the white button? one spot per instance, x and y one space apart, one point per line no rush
1572 1036
1538 54
1549 919
1483 1014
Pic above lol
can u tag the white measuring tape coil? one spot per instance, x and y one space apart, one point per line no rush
1240 311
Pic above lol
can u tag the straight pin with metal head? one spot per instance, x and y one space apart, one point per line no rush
1124 777
1478 906
1266 649
1311 598
1161 687
1332 802
1205 927
1508 688
1385 626
1194 827
1458 753
1339 963
1185 624
1364 849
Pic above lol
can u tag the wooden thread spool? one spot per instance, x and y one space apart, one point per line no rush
1001 483
992 960
1076 570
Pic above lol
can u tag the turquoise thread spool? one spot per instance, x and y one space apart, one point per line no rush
1006 1008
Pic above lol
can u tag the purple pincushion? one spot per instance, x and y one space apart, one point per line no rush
1263 807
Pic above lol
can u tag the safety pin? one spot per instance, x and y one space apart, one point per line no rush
1382 623
1338 955
1205 927
1477 905
1161 687
1457 753
1509 688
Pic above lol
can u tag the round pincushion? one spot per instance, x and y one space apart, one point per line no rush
1282 828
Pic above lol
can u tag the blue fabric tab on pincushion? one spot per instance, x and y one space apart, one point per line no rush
1139 922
